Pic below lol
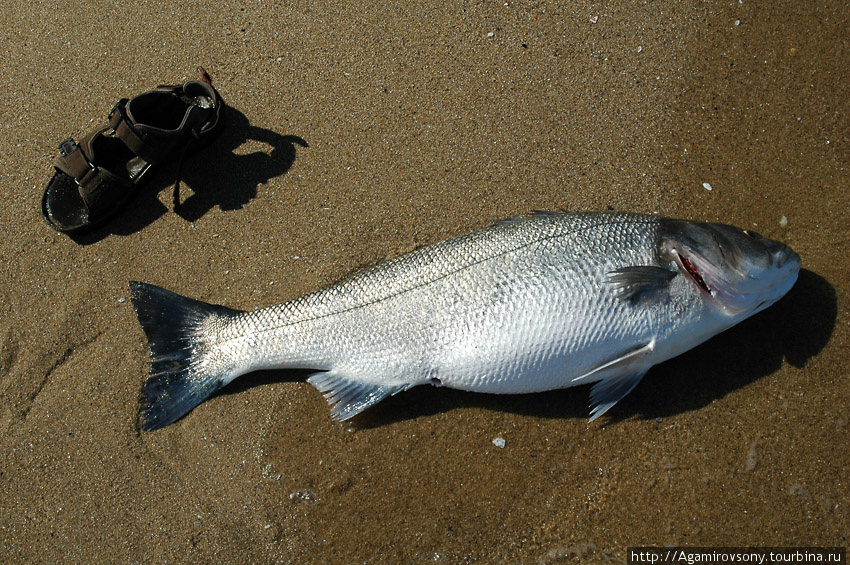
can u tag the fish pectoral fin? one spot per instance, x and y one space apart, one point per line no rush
641 282
347 396
616 378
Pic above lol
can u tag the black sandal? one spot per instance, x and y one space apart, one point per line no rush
95 178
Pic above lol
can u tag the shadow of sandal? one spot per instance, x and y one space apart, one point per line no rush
229 179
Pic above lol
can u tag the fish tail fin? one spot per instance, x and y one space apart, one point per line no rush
182 372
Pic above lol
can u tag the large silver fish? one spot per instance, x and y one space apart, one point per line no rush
536 303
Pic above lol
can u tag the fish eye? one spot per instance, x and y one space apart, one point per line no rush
752 234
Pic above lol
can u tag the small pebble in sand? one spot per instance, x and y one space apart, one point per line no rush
798 489
303 495
499 442
594 19
491 35
783 221
752 458
706 186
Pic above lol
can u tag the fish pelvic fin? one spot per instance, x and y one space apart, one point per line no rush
616 378
181 374
606 393
349 397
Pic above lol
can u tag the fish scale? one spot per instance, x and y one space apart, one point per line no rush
536 303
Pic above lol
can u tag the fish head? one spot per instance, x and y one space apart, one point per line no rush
737 272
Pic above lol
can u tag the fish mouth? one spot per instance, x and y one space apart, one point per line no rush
786 258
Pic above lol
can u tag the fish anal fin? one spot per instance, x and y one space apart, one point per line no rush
616 378
347 396
640 282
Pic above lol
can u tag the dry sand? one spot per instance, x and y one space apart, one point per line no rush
359 133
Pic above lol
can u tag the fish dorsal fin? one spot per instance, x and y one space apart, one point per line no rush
640 282
511 220
348 397
616 378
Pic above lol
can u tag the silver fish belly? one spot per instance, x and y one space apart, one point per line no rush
547 301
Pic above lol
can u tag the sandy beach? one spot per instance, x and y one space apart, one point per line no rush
356 133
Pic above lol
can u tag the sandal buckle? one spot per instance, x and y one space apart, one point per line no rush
68 146
75 163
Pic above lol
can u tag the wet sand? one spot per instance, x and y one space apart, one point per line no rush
359 133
